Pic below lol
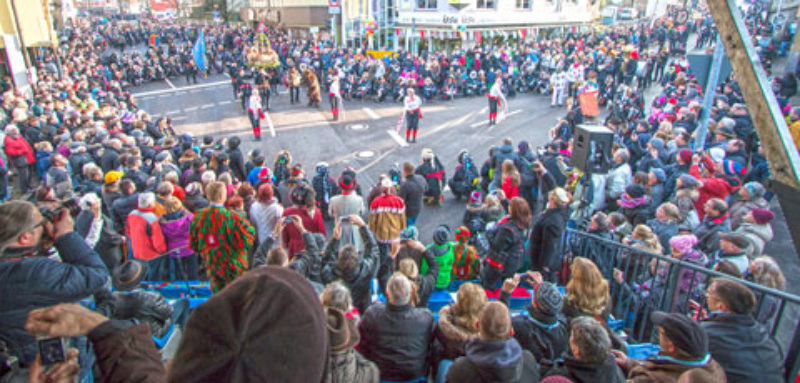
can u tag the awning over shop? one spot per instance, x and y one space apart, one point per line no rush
33 20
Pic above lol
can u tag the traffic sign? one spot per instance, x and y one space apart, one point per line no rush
334 3
334 10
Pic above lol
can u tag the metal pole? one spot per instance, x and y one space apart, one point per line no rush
343 13
413 36
708 99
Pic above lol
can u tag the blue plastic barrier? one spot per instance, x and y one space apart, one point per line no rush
161 342
642 351
439 299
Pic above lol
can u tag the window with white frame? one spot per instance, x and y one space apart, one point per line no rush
485 4
524 4
426 4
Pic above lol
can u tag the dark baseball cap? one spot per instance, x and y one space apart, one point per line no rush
685 333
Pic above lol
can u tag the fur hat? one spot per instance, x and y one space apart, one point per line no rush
427 154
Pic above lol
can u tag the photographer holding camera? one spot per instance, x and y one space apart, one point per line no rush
30 280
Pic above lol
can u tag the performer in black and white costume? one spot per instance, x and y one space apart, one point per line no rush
412 104
496 98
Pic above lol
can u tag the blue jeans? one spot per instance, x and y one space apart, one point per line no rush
158 268
441 372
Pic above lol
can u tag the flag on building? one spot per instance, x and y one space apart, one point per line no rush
199 52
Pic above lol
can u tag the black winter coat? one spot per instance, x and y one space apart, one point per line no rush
412 191
744 348
359 280
544 245
506 248
546 337
109 160
581 372
397 339
237 164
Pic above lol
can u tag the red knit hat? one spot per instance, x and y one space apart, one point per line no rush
346 182
762 216
686 155
475 197
462 234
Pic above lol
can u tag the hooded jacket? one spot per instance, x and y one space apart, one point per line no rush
757 235
494 361
175 228
452 334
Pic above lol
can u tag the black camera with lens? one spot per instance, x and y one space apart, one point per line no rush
52 350
50 213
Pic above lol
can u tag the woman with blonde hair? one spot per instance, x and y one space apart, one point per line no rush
766 272
456 325
511 179
587 294
587 291
423 284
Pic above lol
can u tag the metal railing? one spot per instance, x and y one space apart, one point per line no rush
657 282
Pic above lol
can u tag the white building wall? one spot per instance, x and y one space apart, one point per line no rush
504 14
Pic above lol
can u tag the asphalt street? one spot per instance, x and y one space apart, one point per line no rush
366 139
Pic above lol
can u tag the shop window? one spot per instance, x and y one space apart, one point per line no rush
485 4
426 4
524 4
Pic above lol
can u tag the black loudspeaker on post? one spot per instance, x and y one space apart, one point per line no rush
591 148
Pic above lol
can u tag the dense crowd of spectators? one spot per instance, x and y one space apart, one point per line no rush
105 198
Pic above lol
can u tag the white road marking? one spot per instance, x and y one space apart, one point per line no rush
507 115
484 122
485 108
271 126
174 89
173 112
192 109
283 92
396 137
372 113
225 102
206 106
169 83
